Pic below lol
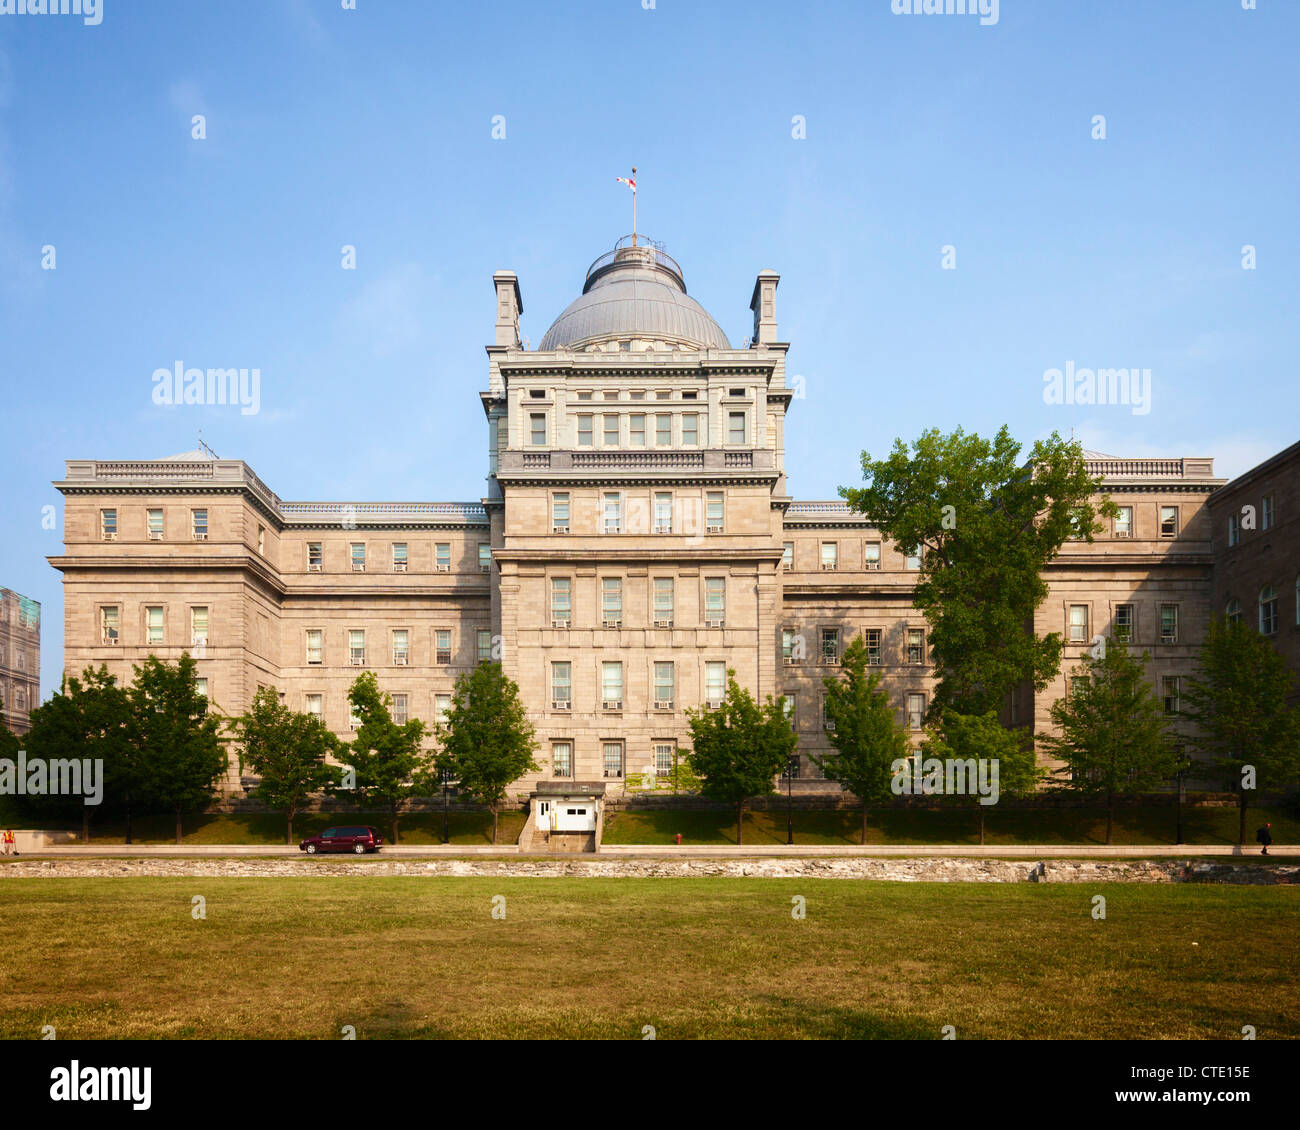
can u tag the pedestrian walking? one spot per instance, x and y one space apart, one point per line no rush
10 843
1264 835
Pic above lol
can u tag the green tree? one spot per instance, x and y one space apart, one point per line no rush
288 751
1114 736
986 521
867 735
178 746
971 738
487 740
89 719
390 762
740 748
1238 703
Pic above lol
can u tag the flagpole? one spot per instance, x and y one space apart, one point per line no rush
634 206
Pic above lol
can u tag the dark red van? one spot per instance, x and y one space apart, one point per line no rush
352 837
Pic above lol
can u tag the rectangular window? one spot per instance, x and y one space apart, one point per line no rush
155 525
715 683
1266 513
611 685
584 430
1079 683
561 601
1234 529
787 705
611 602
354 723
442 557
484 645
399 709
314 705
830 556
665 755
315 557
735 427
871 638
537 429
613 512
664 600
663 429
1124 623
830 649
562 758
399 557
315 647
663 512
788 656
690 430
201 688
108 624
484 557
357 647
636 429
1124 522
199 626
914 559
442 646
915 645
1168 521
199 524
585 395
154 622
561 686
1078 623
560 512
613 759
108 525
1169 623
1169 688
665 686
610 436
715 601
915 711
713 511
787 555
441 708
358 557
871 555
401 647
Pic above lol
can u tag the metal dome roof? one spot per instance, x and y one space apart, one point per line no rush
634 291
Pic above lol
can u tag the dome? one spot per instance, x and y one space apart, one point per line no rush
634 292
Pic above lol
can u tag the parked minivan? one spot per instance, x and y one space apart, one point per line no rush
353 837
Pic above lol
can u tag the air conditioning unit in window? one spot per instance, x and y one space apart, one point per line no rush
612 704
663 528
714 623
713 529
155 535
828 725
873 565
714 703
613 529
831 660
828 566
788 660
1123 533
315 568
559 529
200 537
485 568
399 566
663 704
559 623
561 704
358 661
358 566
440 568
110 537
663 623
399 659
611 623
110 638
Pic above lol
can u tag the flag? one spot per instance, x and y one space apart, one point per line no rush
627 181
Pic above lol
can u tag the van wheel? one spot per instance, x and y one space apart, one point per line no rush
360 849
311 849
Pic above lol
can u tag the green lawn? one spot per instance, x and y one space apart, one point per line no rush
695 958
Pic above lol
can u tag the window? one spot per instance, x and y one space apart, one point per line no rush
1078 623
199 525
663 394
915 711
1169 689
584 395
664 602
357 647
665 686
665 755
610 436
584 428
610 395
484 557
199 626
1234 529
484 645
562 758
401 647
787 647
1078 683
613 512
1124 522
613 759
915 645
399 709
735 427
108 525
155 518
1267 610
871 555
663 512
871 638
442 557
154 624
358 557
261 540
715 683
611 602
830 556
787 705
787 555
830 652
1232 610
611 685
561 686
399 557
1168 521
561 601
442 646
715 601
1169 623
914 559
636 429
828 723
690 430
537 429
108 624
663 429
713 510
1124 623
1266 513
314 705
560 512
354 723
441 708
636 394
315 557
537 393
314 646
201 688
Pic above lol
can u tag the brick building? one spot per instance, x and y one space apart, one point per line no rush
20 660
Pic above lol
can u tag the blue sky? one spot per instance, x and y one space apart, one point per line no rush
373 128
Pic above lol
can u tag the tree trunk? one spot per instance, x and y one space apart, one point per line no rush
128 820
494 824
1109 799
740 819
981 808
1241 827
85 825
395 828
178 824
864 823
288 832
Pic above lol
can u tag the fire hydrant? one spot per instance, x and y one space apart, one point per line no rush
679 838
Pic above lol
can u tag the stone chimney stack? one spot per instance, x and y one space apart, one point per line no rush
509 306
763 303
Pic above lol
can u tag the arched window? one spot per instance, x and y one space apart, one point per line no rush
1267 610
1232 610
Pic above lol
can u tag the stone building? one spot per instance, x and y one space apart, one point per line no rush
637 539
20 660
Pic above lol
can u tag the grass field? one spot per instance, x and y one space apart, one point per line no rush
695 958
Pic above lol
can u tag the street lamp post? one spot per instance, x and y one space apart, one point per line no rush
789 801
446 780
1182 789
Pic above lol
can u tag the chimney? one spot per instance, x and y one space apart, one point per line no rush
509 306
763 303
